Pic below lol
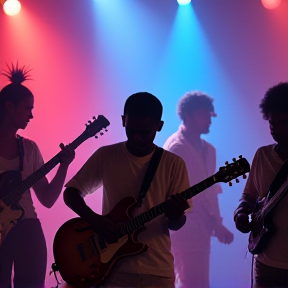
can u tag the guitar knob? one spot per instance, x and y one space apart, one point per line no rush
96 137
226 162
237 180
230 183
244 176
106 130
101 133
234 159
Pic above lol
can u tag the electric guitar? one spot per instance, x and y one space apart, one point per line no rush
12 187
84 258
261 224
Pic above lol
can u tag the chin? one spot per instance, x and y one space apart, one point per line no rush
23 126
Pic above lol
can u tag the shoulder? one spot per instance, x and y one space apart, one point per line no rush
108 150
209 145
30 146
264 150
173 140
172 158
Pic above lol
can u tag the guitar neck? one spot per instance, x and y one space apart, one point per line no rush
275 199
156 211
40 173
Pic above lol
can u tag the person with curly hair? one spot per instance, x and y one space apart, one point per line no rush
270 264
191 244
23 248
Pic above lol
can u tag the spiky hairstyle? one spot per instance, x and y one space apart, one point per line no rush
17 75
15 91
193 101
143 104
275 100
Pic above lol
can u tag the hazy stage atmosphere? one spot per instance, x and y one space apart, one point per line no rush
88 56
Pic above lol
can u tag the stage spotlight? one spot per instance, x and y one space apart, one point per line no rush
183 2
271 4
12 7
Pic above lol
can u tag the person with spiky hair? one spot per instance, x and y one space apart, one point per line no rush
24 247
120 169
191 244
270 262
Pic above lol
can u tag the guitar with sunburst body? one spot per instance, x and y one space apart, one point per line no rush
84 258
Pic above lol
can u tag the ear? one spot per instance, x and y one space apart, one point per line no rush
9 106
123 120
160 126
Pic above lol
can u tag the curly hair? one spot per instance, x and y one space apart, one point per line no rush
143 104
193 101
275 100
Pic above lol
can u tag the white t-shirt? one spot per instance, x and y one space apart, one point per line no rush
265 165
121 174
32 161
199 168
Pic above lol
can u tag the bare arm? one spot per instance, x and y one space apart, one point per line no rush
47 193
74 200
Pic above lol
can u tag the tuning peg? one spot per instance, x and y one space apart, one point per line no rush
230 183
94 118
86 124
226 162
234 159
89 121
101 133
240 156
244 176
96 137
237 180
106 130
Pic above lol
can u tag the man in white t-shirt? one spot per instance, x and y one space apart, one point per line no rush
270 267
120 169
191 245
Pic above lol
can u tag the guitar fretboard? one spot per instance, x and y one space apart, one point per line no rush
138 221
15 195
275 199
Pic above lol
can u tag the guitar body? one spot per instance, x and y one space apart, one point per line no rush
261 229
83 258
9 213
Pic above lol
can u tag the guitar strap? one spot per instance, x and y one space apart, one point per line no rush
278 181
151 170
21 151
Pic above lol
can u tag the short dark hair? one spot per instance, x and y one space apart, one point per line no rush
275 100
193 101
143 104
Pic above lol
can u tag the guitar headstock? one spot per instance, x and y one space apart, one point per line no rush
95 126
233 170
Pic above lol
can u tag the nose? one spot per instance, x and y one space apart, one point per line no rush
31 116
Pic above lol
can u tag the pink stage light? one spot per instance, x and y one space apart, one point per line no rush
271 4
